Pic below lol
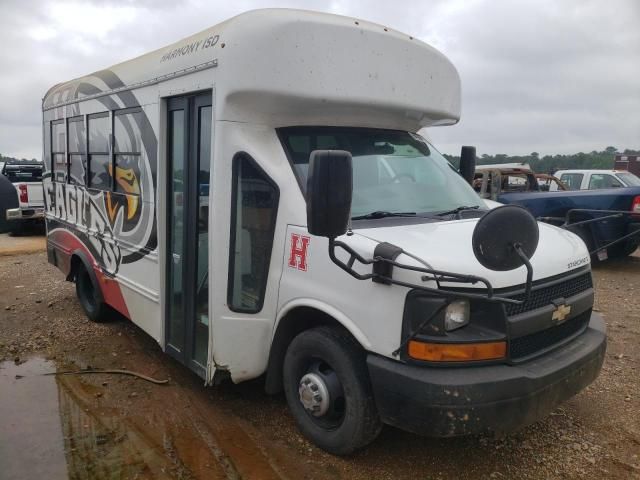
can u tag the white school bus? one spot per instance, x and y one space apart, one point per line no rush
255 197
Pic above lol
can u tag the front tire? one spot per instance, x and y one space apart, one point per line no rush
90 301
326 383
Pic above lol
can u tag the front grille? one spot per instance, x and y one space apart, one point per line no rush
535 342
543 296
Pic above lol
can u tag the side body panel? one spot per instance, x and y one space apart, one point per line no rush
240 340
118 230
372 312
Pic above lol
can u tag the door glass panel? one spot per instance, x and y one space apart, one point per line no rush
99 176
175 205
201 325
572 180
255 204
599 181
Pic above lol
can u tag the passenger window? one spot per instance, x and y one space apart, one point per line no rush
573 181
58 142
77 150
126 131
126 145
514 183
99 155
599 180
254 208
48 162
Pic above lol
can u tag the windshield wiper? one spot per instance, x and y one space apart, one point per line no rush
457 210
382 214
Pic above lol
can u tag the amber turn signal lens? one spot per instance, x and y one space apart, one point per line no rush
457 352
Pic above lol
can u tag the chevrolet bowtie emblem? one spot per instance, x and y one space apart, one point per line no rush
561 312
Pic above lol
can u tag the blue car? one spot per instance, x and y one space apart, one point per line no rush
605 219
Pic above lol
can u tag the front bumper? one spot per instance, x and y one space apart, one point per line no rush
25 213
451 401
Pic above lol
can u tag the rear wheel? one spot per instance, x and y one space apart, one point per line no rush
327 386
87 292
17 228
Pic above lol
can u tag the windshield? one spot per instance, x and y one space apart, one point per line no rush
393 171
629 179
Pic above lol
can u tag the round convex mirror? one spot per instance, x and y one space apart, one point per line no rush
498 231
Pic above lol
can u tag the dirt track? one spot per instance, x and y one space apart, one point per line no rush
121 427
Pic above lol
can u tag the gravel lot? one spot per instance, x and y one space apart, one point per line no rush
122 427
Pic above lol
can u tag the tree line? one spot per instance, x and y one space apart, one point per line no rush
4 158
551 163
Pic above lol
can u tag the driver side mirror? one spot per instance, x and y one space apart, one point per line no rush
329 190
468 163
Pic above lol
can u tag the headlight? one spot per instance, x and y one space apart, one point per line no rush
456 315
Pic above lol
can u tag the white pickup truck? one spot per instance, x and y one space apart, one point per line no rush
596 179
26 177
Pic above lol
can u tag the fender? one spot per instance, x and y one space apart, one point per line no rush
281 337
331 311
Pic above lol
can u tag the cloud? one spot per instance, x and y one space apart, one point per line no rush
541 75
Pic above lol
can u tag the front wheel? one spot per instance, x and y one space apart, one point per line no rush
327 386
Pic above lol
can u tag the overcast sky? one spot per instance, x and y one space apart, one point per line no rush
544 75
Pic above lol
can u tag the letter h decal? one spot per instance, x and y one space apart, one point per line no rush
298 255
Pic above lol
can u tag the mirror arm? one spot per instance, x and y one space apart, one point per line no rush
443 276
527 289
353 256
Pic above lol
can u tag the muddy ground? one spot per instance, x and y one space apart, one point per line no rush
118 427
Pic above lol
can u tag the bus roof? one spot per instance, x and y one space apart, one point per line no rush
294 67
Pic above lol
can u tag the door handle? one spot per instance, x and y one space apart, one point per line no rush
176 258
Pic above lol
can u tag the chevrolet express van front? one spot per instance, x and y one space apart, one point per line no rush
410 328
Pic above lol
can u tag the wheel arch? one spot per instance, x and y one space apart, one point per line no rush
81 258
296 317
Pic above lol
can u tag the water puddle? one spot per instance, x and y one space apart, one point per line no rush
59 427
31 440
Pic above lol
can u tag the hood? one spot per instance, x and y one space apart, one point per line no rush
447 246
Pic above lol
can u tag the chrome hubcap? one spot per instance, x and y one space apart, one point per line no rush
314 394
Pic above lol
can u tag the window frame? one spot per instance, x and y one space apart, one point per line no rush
114 154
88 152
83 156
568 183
235 162
89 117
604 177
60 121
